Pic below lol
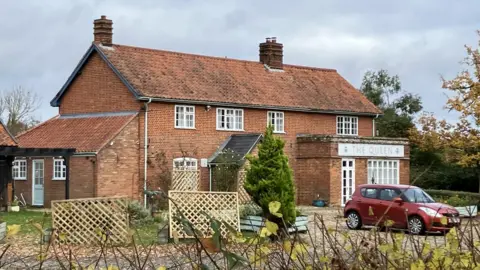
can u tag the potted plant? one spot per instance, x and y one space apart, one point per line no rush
319 201
14 206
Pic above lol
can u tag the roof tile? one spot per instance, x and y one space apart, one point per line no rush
84 133
5 137
173 75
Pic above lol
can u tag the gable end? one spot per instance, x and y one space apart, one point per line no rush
93 48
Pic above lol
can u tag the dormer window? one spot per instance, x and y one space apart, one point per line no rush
347 125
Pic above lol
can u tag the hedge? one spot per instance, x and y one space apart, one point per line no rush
455 198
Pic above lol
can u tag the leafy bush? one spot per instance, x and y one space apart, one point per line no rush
269 178
250 209
455 198
457 201
138 214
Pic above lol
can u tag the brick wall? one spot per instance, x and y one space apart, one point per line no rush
118 168
81 180
204 140
97 89
318 165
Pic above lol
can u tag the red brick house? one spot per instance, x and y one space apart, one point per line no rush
122 104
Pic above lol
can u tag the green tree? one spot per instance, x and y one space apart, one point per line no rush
269 178
399 108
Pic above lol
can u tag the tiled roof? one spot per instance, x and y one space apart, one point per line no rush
6 138
181 76
235 148
86 133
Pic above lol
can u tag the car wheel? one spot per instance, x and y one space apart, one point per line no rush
354 222
416 225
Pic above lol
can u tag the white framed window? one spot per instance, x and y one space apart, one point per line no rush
276 120
347 125
382 171
185 163
19 169
184 116
59 169
229 119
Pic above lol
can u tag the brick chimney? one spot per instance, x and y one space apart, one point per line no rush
271 53
103 31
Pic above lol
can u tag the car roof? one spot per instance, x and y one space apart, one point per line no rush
385 186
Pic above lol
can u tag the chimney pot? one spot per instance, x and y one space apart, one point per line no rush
103 31
271 53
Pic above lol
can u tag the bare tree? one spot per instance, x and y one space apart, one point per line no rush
17 108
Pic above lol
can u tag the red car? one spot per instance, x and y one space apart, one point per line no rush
409 207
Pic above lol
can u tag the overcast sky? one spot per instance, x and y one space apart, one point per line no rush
42 41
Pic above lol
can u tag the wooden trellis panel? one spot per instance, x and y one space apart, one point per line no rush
222 206
243 196
185 180
82 221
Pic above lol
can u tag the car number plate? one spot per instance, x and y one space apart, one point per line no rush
454 220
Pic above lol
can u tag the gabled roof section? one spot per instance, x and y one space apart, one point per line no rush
6 138
84 132
235 148
94 48
187 78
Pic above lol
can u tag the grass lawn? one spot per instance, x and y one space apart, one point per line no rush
26 219
145 234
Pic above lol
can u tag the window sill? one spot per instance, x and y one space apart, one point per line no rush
348 135
185 128
20 179
58 179
241 130
279 132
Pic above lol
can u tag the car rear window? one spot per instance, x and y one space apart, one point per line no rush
369 193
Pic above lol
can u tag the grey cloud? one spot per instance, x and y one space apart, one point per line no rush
42 41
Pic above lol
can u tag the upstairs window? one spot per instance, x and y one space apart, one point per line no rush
184 116
59 169
186 164
19 169
275 119
229 119
347 125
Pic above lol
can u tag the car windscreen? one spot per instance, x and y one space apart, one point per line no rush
416 195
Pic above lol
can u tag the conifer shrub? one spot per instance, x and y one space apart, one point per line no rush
269 178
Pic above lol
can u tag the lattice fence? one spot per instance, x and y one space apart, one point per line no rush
185 180
82 221
243 196
220 205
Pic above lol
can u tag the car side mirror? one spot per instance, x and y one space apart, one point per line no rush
398 200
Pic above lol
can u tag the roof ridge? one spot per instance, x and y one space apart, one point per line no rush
312 68
37 126
190 54
96 114
221 58
116 133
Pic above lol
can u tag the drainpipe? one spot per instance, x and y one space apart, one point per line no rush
145 147
210 178
373 126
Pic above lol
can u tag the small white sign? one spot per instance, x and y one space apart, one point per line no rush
370 150
203 162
